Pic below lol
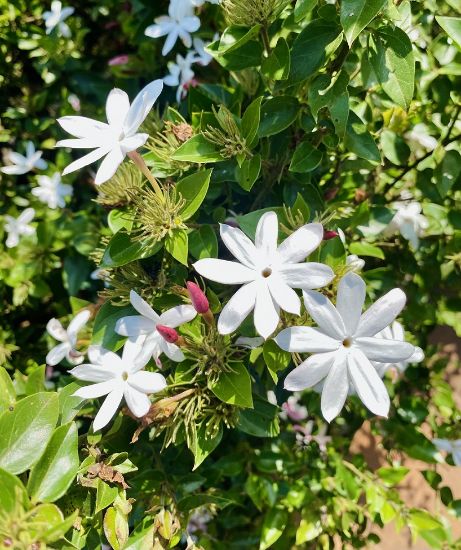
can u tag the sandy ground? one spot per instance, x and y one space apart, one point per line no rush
414 489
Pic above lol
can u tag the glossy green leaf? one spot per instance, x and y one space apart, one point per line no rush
277 114
119 219
195 501
452 26
176 243
203 445
306 158
359 141
68 404
197 149
193 189
122 250
105 495
12 491
366 249
234 386
357 14
262 421
277 65
247 174
104 326
7 392
203 243
273 526
303 8
250 122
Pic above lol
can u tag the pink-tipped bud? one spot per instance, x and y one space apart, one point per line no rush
327 235
169 334
198 298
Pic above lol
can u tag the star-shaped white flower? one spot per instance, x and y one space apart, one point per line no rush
201 56
115 139
52 191
56 17
68 339
118 378
145 324
409 222
180 74
18 227
343 346
198 3
179 23
396 332
22 164
450 446
268 273
355 263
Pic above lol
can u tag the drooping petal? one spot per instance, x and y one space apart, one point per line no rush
142 307
137 402
117 106
382 313
134 325
77 323
109 165
367 383
301 243
80 126
310 372
57 354
384 351
239 245
177 316
267 232
324 314
97 390
335 388
267 312
350 300
306 276
283 295
141 106
56 330
89 158
224 271
237 308
171 351
306 339
108 408
147 382
92 373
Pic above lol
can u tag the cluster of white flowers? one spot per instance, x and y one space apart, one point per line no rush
54 19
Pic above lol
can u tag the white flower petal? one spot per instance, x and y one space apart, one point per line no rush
310 372
249 343
267 232
335 388
177 316
239 245
384 351
117 107
56 330
82 127
57 354
137 402
97 390
224 271
13 170
109 165
301 243
190 24
266 314
108 409
170 41
93 373
77 323
382 313
417 356
307 275
350 300
134 325
237 308
135 356
134 142
283 295
171 351
95 354
369 386
142 307
26 215
324 314
89 158
141 106
147 382
443 445
306 339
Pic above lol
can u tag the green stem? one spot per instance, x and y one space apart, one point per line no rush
139 161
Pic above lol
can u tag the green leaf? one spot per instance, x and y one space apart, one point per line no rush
26 431
116 528
452 26
393 61
250 122
203 243
247 174
275 358
193 189
262 421
357 14
7 392
310 527
12 490
248 55
332 253
203 445
273 527
119 219
233 38
52 475
359 141
105 495
141 540
447 172
104 326
277 114
176 243
121 250
303 8
309 50
366 249
234 387
300 206
277 65
68 404
197 149
195 501
394 475
306 158
36 380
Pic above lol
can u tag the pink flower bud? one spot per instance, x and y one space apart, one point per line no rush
198 298
118 60
327 235
169 334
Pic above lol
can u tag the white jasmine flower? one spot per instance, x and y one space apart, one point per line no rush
68 339
396 332
450 446
18 227
115 139
201 56
304 435
74 102
179 23
52 191
56 17
145 324
180 73
293 410
420 139
409 222
268 273
22 164
355 263
198 3
343 346
249 343
118 378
